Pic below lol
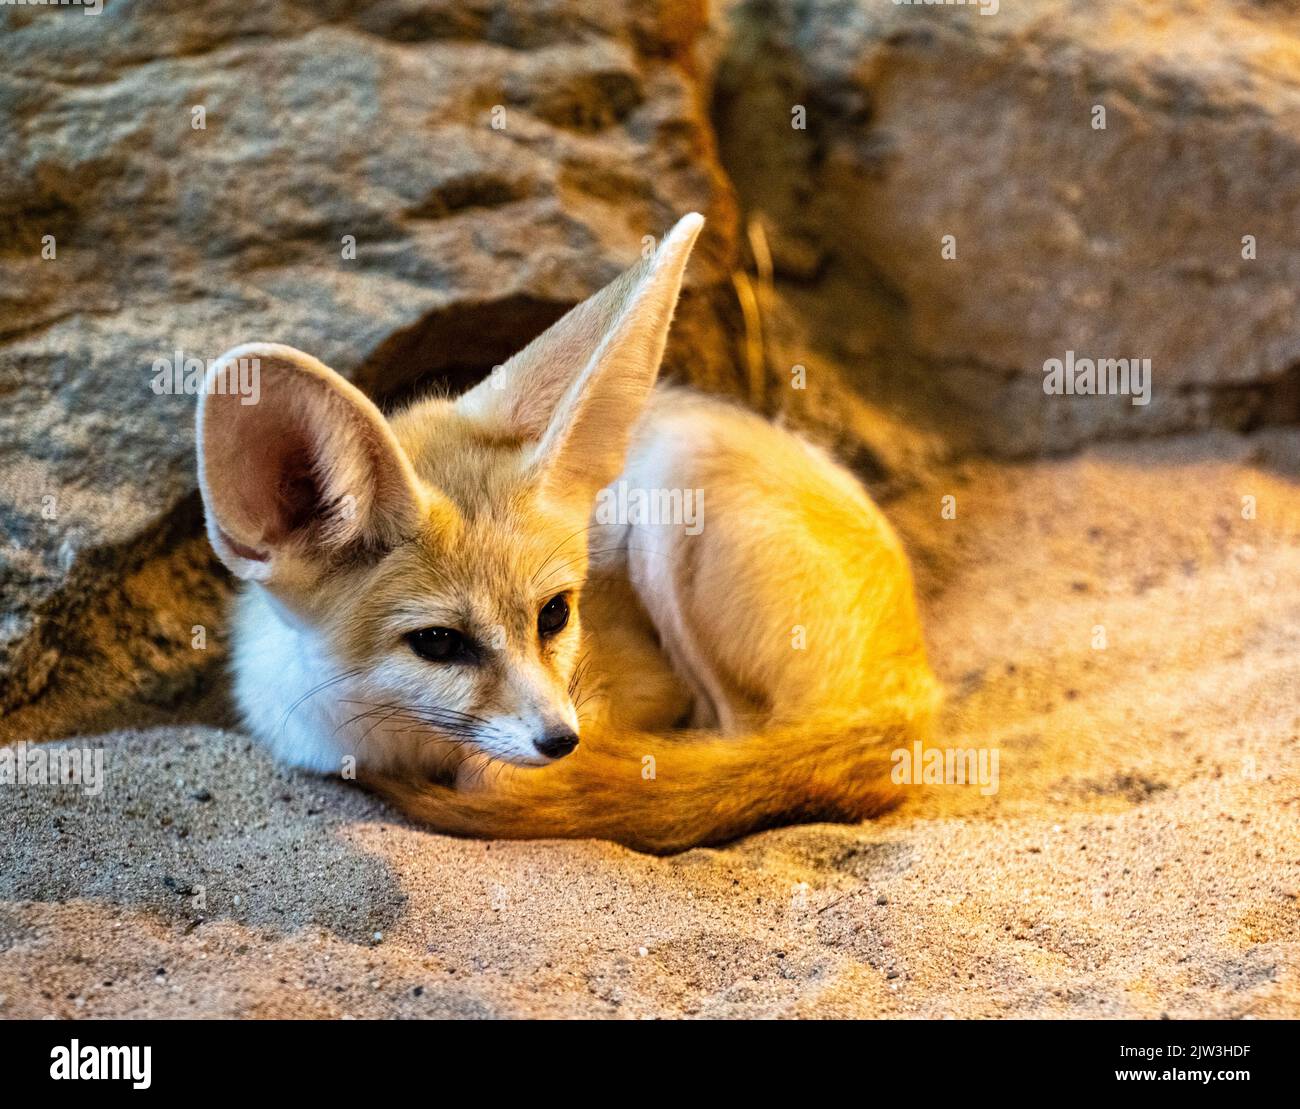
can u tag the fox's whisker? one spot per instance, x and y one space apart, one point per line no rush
567 539
466 717
317 689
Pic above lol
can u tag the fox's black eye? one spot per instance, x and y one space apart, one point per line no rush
440 645
553 617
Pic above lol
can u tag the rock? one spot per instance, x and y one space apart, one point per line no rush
1123 242
198 178
411 190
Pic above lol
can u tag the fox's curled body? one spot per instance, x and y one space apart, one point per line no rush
754 668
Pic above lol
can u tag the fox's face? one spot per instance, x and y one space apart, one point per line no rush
438 559
472 625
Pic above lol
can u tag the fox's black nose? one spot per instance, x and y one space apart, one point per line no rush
557 743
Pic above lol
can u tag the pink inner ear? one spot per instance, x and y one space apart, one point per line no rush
271 472
297 492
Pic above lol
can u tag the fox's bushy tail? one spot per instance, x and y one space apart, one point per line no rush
666 793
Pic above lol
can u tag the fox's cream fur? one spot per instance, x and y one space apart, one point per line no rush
755 669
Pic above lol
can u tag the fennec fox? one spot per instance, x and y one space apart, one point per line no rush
415 585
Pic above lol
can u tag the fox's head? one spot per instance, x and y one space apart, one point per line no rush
437 558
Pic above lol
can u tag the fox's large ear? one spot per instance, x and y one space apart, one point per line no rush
310 468
578 388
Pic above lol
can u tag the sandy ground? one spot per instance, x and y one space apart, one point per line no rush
1141 856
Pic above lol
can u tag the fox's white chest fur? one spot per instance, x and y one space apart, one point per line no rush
566 570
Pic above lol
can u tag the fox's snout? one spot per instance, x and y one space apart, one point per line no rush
531 737
557 742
